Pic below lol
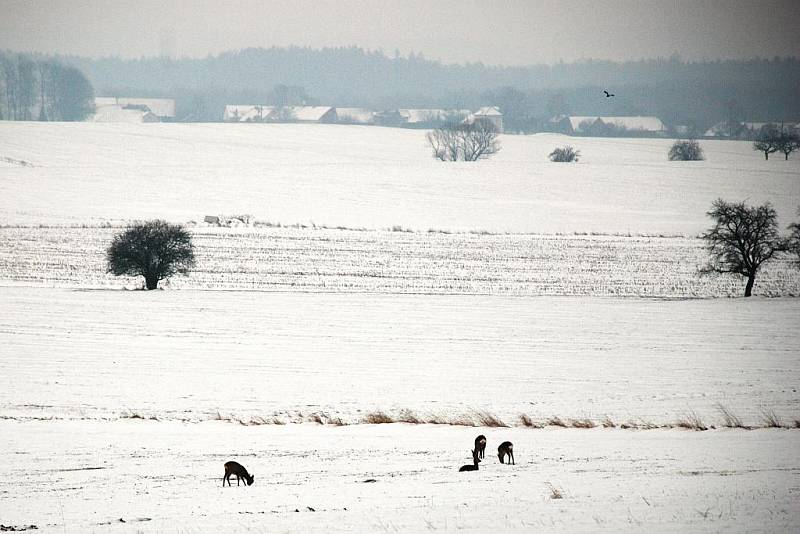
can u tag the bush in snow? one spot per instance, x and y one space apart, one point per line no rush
686 151
153 249
564 155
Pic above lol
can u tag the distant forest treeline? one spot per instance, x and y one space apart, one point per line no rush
42 89
697 94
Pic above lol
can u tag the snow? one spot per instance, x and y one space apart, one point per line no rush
77 365
119 408
81 476
99 354
361 176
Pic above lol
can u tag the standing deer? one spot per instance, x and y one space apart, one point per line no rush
506 448
473 466
235 468
480 445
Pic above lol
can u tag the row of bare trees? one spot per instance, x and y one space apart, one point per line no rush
42 90
777 141
463 141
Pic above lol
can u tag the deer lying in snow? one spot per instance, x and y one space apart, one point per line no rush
473 466
506 449
235 468
480 445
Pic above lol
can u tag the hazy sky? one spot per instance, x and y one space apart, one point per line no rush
494 32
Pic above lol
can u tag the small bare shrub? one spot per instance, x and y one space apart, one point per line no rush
555 493
316 418
487 419
528 422
436 420
564 154
691 421
461 420
729 419
770 419
377 418
556 421
336 421
408 416
686 151
608 423
583 423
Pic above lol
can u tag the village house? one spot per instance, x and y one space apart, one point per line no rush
258 113
491 115
593 125
355 116
124 109
747 129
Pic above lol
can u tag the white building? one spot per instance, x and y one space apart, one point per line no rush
124 109
583 124
489 114
258 113
355 115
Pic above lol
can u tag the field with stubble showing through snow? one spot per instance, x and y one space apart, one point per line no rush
381 311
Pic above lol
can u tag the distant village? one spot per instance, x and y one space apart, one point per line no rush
147 110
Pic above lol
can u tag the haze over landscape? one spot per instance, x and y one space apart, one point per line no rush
509 32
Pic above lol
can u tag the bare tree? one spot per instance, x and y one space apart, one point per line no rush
787 142
463 141
766 144
793 243
742 239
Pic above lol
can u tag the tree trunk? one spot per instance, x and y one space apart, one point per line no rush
766 156
151 282
748 290
787 156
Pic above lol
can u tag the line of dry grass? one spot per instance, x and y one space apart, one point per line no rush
690 420
488 419
408 416
556 421
729 419
770 418
526 421
482 418
377 418
583 423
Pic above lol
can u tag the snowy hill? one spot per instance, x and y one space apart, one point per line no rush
372 177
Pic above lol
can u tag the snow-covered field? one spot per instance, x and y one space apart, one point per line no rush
75 476
326 260
77 365
194 354
118 408
372 177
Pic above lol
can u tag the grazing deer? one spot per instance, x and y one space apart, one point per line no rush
506 448
235 468
480 445
473 466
